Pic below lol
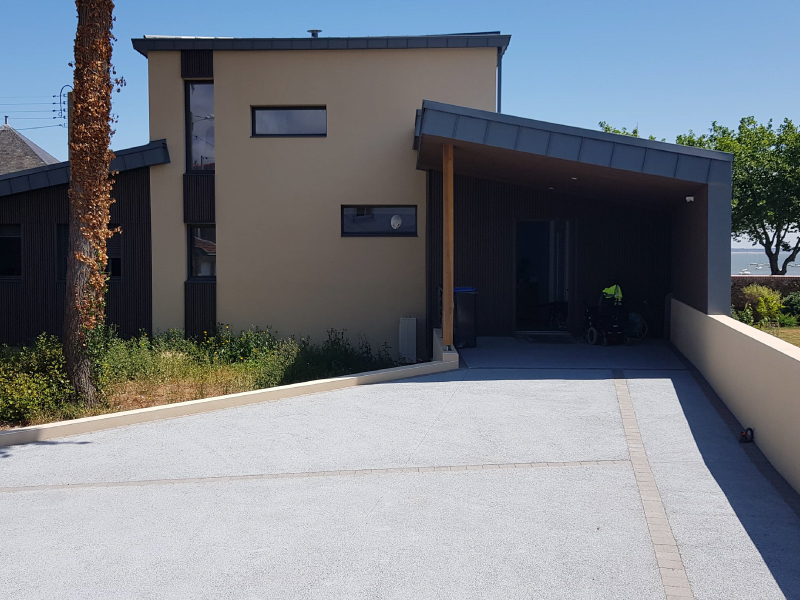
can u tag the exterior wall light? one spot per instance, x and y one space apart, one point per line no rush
690 198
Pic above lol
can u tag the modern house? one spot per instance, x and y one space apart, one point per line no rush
345 180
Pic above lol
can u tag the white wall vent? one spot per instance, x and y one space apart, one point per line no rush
408 340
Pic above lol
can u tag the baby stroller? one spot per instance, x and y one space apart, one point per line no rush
607 323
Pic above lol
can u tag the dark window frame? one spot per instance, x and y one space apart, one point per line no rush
197 278
253 133
188 126
20 277
380 234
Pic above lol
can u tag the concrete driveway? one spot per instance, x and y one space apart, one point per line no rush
542 471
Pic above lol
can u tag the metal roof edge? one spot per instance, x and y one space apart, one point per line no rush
17 182
576 131
146 44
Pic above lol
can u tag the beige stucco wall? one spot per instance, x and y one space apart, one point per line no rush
281 259
757 376
166 190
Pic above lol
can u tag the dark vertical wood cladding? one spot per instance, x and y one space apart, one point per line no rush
198 198
36 303
200 308
606 241
197 64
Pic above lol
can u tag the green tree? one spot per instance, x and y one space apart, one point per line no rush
766 184
632 133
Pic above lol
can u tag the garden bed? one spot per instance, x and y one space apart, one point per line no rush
151 371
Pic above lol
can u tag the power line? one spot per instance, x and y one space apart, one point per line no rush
25 103
21 97
42 127
33 111
33 118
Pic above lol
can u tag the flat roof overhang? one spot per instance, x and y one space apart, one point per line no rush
161 43
565 159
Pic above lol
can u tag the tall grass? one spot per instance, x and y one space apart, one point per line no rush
145 370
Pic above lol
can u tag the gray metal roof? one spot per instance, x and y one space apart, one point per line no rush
154 153
153 43
569 143
18 153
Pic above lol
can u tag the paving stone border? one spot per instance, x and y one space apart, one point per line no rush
670 564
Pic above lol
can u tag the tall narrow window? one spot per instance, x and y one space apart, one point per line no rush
10 251
200 126
113 251
202 252
290 121
62 248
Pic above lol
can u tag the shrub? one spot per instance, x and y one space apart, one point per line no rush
745 315
33 381
792 303
765 301
787 320
337 356
34 384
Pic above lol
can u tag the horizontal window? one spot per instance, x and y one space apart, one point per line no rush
390 221
290 121
202 252
113 251
10 251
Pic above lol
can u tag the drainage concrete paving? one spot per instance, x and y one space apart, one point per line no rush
507 481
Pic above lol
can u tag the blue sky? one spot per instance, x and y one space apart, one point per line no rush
666 66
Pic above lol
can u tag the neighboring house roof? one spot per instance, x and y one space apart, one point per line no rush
154 153
490 39
18 153
206 246
688 163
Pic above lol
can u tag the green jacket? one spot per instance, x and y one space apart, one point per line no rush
614 292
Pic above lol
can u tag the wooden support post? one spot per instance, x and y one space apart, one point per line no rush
447 245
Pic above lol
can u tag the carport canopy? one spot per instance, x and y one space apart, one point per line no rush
621 169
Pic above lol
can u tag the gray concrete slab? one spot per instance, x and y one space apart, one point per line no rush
438 420
733 529
538 532
564 533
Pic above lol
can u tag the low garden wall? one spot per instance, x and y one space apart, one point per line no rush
756 374
785 284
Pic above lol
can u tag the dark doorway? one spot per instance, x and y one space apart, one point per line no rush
541 276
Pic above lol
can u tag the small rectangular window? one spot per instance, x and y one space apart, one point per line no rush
202 252
10 251
389 221
200 126
113 251
290 121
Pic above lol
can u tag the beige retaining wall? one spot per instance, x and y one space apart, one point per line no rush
757 376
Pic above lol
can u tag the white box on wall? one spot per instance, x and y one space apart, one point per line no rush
408 340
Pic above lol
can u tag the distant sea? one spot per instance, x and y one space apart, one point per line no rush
744 258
